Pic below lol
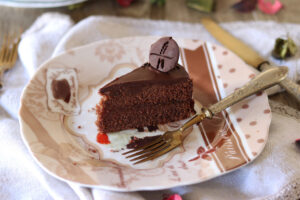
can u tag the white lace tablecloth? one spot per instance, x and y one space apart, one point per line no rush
275 174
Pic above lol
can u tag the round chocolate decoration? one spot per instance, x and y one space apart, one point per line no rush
164 54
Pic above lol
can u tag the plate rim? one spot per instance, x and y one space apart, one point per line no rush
107 187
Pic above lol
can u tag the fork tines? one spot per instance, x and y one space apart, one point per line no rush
9 51
149 151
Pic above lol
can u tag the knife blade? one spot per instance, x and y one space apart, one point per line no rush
245 52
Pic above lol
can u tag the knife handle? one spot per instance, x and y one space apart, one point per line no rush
290 86
260 82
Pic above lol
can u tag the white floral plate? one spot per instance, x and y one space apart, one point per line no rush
63 136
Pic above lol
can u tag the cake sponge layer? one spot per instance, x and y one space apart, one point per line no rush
112 120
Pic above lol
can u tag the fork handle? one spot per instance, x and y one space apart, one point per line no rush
195 119
264 80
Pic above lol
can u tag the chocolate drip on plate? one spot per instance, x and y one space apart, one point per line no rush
61 90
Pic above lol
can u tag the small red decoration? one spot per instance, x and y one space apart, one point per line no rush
210 150
196 158
203 154
200 150
206 157
125 3
245 5
102 138
266 6
269 7
173 197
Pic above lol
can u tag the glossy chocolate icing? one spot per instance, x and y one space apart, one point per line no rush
147 75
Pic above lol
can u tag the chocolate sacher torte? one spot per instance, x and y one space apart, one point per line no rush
158 92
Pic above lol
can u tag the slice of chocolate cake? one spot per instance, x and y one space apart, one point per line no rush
148 95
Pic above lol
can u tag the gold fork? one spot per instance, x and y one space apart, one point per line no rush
8 52
172 139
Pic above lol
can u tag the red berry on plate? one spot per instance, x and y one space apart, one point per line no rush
173 197
102 138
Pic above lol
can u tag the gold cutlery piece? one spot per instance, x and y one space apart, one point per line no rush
8 53
250 56
172 139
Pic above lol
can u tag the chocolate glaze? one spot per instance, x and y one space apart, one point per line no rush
136 142
152 128
61 90
147 75
140 129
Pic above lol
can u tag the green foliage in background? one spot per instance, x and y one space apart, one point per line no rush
201 5
158 2
284 48
75 6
